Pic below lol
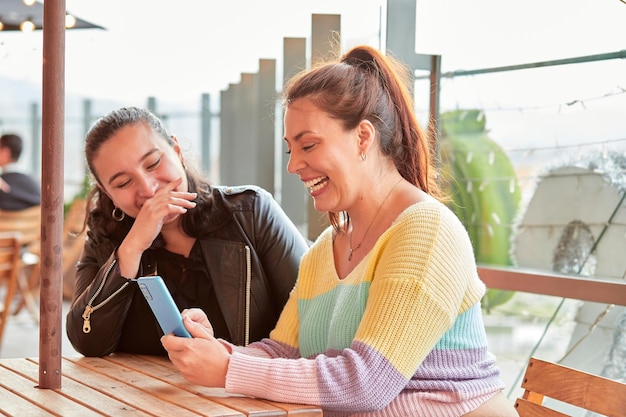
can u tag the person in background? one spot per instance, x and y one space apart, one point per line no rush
385 318
18 191
231 251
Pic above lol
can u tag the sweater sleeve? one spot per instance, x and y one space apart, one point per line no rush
422 275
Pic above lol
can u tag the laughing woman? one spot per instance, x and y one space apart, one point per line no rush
231 251
385 319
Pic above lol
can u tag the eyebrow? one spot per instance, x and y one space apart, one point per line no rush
299 135
143 158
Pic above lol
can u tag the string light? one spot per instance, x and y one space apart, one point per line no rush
29 2
530 151
582 102
70 21
27 25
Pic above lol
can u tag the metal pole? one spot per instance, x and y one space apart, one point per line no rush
434 122
36 142
576 60
53 120
205 132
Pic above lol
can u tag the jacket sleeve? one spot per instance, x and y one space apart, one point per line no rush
100 304
280 246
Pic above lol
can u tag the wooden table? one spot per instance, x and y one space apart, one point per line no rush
124 385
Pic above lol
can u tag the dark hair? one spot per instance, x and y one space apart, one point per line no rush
365 84
100 206
14 143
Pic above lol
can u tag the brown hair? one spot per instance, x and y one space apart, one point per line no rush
100 206
14 143
366 84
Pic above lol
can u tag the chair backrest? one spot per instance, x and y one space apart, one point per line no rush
10 255
27 222
73 242
586 391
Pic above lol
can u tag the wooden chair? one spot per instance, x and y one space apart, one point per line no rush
27 223
577 388
73 242
10 263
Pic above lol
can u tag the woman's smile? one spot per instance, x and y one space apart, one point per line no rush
316 184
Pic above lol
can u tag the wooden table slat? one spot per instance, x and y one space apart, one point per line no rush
15 405
50 402
80 393
111 380
161 367
298 410
123 385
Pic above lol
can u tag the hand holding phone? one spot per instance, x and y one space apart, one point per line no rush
162 304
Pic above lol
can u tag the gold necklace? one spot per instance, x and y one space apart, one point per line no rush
371 223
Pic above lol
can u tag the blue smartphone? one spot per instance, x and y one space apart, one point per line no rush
163 306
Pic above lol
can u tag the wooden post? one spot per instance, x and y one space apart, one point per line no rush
53 120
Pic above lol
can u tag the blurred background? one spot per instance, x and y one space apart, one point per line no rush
525 90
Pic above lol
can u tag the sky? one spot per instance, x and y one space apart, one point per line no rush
178 50
151 46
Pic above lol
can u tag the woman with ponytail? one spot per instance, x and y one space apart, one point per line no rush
385 318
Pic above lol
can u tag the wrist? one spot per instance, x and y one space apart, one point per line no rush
228 346
127 263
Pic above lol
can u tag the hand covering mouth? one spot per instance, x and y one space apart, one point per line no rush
316 184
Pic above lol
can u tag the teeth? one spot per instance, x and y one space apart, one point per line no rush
315 184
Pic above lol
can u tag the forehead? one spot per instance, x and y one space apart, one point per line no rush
126 148
303 112
302 107
135 136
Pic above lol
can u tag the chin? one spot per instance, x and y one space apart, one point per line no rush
320 207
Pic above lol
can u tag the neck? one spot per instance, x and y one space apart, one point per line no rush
176 240
374 218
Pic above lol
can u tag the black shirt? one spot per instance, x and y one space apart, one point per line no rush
188 280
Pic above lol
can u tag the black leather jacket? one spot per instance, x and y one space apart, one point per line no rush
252 254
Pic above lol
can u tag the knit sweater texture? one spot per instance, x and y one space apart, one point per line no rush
402 335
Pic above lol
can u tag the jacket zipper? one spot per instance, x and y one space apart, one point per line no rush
248 291
89 309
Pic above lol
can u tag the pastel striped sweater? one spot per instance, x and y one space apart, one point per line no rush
402 335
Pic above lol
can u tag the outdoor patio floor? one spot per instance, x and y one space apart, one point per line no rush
21 336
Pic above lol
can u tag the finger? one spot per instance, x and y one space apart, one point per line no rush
181 202
194 314
184 199
171 344
172 185
197 330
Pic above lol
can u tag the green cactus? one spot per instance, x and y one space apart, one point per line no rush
483 189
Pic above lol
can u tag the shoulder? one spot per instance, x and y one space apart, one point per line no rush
429 215
18 176
244 201
429 226
431 238
242 197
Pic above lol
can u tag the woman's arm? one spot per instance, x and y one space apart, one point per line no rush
96 332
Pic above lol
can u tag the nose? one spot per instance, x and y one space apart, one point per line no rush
146 186
295 163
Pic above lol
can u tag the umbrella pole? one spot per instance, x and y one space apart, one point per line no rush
53 123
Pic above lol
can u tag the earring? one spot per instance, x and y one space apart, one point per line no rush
117 214
363 155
